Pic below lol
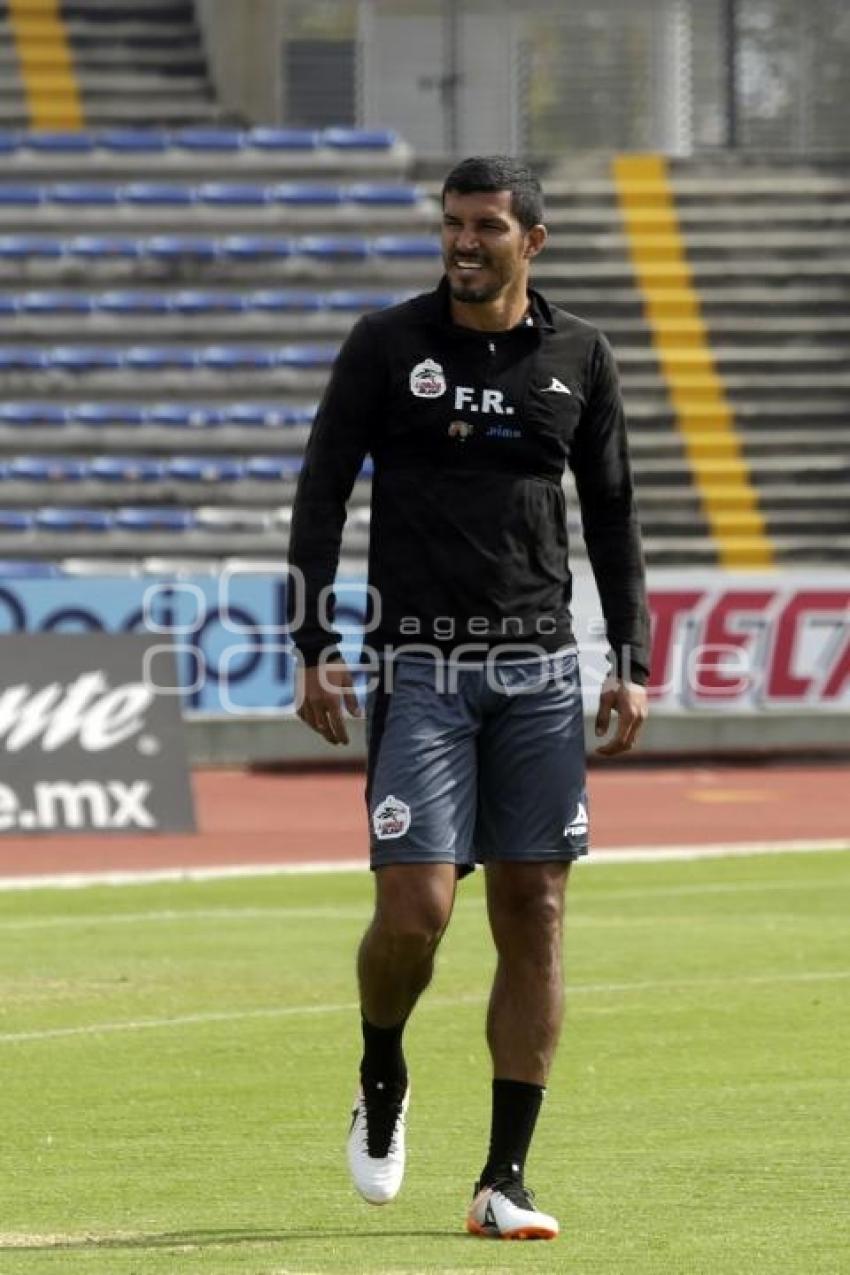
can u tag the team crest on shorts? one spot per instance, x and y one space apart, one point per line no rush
427 380
391 819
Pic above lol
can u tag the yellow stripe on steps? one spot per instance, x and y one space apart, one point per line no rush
704 416
47 66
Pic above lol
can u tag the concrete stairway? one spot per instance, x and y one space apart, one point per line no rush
136 62
769 250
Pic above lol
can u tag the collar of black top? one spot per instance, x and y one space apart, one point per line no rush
436 308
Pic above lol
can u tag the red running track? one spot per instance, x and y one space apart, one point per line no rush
246 818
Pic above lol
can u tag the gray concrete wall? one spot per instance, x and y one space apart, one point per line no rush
243 41
277 737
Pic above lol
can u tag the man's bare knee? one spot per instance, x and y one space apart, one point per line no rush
526 901
412 908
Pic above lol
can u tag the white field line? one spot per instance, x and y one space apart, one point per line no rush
625 854
347 1007
181 915
362 912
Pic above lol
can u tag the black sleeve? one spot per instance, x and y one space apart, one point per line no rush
340 438
600 461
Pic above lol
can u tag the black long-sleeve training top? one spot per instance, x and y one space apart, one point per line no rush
469 433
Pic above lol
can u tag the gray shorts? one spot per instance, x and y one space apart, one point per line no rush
490 767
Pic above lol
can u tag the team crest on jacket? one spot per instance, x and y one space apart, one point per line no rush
427 380
391 819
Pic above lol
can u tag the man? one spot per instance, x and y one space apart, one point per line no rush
471 400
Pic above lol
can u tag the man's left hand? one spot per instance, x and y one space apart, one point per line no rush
629 702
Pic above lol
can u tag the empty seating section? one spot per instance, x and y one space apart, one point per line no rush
249 153
171 301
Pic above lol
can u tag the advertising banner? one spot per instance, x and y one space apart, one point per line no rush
722 641
86 742
736 641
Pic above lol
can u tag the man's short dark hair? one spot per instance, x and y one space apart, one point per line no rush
500 172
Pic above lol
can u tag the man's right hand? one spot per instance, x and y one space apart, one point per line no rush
324 693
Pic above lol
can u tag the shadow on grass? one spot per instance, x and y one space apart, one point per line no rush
205 1239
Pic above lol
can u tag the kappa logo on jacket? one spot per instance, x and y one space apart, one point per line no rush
427 380
557 387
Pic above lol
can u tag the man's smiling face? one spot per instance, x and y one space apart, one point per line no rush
486 251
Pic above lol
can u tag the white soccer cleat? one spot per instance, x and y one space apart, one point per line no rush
376 1146
506 1211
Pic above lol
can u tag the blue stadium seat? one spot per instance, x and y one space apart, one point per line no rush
21 569
306 355
126 469
374 139
20 247
183 416
61 143
334 247
273 468
21 358
208 139
283 300
82 194
267 417
306 193
105 414
282 139
79 519
344 299
232 194
134 140
255 247
20 196
9 141
102 247
205 303
177 246
32 415
16 520
378 193
157 194
405 246
130 302
154 518
9 304
54 303
43 469
81 358
205 469
153 358
231 357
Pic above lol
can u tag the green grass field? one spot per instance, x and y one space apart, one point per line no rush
178 1062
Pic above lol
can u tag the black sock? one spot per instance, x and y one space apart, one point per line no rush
383 1066
516 1106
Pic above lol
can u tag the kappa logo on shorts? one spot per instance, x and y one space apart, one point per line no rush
578 826
391 819
427 380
